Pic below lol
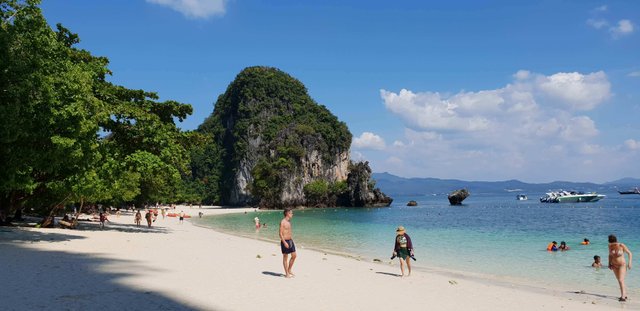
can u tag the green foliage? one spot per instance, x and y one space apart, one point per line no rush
267 183
316 191
69 134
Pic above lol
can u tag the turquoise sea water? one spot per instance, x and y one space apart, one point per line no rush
493 235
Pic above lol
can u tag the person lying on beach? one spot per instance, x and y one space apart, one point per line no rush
596 262
563 246
403 249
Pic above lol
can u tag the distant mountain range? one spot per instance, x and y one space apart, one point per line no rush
395 185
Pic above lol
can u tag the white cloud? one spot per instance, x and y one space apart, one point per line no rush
196 9
634 74
578 129
624 27
529 127
430 110
598 23
602 8
632 144
368 140
357 156
578 91
522 74
488 110
590 149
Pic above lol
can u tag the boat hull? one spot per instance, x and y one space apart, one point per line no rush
580 198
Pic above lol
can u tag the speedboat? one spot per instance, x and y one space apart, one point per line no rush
632 191
521 197
571 197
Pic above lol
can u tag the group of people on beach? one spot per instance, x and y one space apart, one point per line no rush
617 262
403 249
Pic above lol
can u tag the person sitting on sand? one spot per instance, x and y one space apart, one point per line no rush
596 262
553 246
585 242
563 246
403 249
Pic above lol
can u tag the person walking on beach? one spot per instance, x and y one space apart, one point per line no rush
617 263
103 218
138 218
403 249
181 217
287 246
147 216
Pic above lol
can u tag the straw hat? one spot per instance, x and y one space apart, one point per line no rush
400 229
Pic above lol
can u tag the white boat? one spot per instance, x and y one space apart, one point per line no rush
571 197
521 197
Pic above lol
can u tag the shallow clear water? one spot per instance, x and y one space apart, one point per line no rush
491 234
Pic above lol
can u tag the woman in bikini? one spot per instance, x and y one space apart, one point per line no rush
617 263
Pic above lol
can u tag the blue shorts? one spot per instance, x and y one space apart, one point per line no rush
290 249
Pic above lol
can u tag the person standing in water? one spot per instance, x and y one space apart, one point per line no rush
617 264
287 246
403 249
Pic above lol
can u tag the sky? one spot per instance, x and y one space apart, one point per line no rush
537 91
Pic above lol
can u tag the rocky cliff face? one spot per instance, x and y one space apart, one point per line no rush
274 143
362 191
274 139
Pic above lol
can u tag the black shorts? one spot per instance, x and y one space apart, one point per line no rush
291 249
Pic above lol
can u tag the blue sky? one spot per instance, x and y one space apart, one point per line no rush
475 90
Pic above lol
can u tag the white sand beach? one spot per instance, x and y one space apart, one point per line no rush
174 266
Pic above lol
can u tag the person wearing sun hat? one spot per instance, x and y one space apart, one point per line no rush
403 249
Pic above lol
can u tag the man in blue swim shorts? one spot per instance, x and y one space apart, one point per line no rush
287 246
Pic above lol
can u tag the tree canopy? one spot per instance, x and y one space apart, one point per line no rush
68 135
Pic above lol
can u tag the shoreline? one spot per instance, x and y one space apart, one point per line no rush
567 290
184 267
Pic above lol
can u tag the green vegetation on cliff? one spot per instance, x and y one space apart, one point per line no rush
270 109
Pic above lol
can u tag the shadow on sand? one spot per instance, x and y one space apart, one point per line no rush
128 228
58 280
269 273
389 274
